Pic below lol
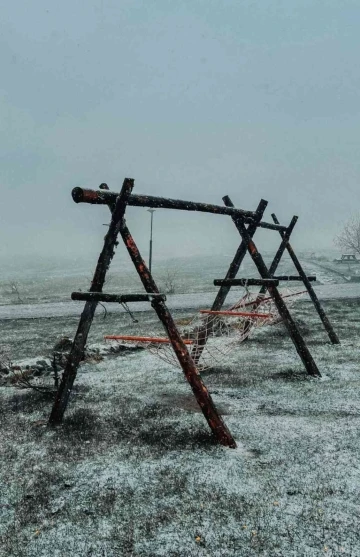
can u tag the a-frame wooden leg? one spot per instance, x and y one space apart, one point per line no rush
220 298
202 395
290 324
78 346
238 258
275 262
328 327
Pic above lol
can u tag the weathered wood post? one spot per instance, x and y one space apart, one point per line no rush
202 395
328 327
78 347
290 324
239 257
224 289
275 262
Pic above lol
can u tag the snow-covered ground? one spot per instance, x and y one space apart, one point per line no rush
133 470
174 301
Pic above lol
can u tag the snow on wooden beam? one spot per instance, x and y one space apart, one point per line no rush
104 197
311 278
246 282
121 299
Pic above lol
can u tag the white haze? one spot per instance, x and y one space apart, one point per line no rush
194 100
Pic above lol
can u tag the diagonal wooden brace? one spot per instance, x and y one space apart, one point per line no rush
202 395
238 258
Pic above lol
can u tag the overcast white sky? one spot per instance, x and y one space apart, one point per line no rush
194 99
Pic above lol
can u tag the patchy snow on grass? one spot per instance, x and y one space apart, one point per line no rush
134 470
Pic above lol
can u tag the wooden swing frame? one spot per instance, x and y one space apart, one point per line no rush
117 204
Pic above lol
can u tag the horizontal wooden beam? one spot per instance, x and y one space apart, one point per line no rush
119 298
312 278
105 197
270 226
246 282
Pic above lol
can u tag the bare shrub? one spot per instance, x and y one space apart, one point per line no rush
349 237
24 379
5 357
21 377
169 284
14 290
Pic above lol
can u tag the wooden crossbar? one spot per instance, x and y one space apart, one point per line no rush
290 278
158 340
119 298
105 197
247 282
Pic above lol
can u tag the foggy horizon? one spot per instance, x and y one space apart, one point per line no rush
193 101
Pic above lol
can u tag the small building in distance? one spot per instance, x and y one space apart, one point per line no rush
348 258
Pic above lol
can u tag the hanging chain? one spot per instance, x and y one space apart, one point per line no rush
129 312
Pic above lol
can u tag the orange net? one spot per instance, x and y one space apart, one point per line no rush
212 335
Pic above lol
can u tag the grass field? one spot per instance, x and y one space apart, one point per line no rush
134 471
